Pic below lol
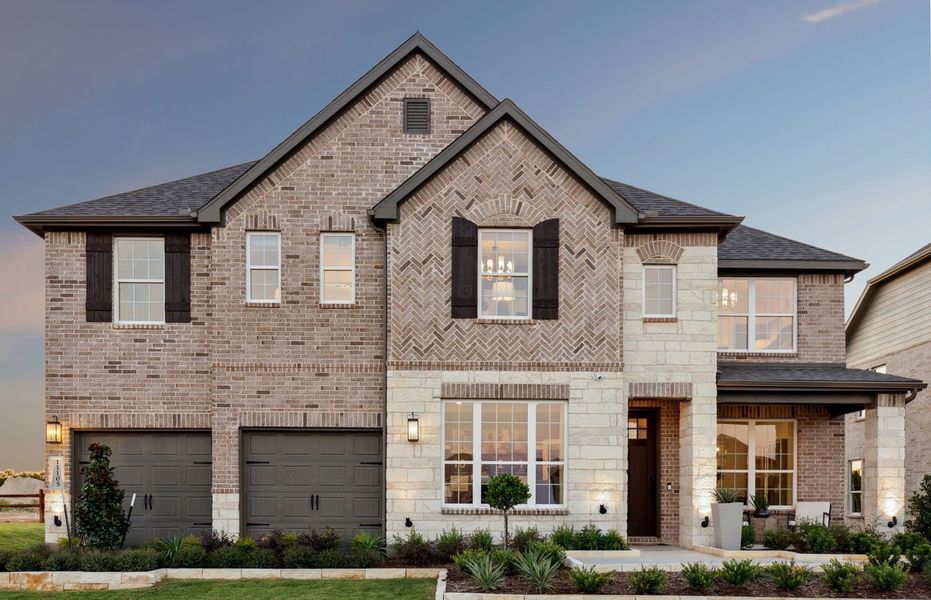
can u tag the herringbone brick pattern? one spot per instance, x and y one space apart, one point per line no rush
505 180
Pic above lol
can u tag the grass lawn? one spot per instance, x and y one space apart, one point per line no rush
18 536
385 589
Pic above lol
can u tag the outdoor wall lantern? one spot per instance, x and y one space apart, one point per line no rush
705 522
603 509
408 522
413 428
893 522
53 431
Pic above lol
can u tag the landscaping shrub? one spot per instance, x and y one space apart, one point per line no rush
906 540
812 538
504 492
839 576
366 541
5 556
788 576
450 543
27 560
613 540
886 577
919 510
747 536
325 539
331 559
884 553
299 557
926 570
99 520
229 557
481 539
211 540
63 560
279 540
777 539
564 536
507 557
554 551
366 558
537 569
246 542
648 580
918 556
588 538
467 555
739 572
487 573
139 559
98 560
587 580
167 548
841 535
262 558
861 542
188 557
523 537
413 549
699 576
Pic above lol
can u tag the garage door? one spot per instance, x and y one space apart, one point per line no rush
303 481
168 471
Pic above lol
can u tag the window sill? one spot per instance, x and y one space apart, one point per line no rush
741 354
138 326
263 304
660 320
481 321
484 510
338 305
855 516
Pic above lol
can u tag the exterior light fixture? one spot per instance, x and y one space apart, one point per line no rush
413 428
603 509
53 431
705 522
408 522
893 522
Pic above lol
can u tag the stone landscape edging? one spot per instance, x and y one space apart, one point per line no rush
493 596
58 581
785 554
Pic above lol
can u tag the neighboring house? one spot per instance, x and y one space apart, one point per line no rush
889 331
420 288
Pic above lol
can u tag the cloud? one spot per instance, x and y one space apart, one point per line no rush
838 10
22 267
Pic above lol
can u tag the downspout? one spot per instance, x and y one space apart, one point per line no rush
384 414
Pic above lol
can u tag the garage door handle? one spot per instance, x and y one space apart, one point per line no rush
251 524
151 501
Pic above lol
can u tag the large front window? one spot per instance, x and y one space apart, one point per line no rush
504 257
756 315
482 439
140 280
758 458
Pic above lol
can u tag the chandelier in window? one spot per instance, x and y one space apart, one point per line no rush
502 290
728 298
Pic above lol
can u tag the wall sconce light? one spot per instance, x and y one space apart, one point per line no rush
408 522
53 431
603 509
893 522
57 521
413 428
705 522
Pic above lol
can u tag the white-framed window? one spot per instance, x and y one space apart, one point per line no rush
504 272
855 487
337 268
139 293
757 314
484 438
659 290
263 267
758 457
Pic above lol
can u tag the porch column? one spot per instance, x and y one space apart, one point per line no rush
698 430
884 462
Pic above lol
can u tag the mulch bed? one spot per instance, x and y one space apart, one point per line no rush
917 587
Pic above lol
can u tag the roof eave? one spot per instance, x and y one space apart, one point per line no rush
38 224
848 267
722 224
820 386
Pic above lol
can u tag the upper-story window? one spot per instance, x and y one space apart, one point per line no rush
337 268
659 291
756 314
263 266
140 280
504 286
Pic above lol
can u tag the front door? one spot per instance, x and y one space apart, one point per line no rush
642 492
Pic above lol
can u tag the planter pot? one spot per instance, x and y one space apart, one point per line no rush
727 520
761 514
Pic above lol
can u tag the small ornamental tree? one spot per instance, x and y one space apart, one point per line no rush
919 509
504 492
99 521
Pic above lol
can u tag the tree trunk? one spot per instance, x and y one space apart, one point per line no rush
505 530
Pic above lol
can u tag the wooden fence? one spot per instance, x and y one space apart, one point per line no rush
41 505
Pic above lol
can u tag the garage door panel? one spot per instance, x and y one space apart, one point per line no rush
262 475
163 506
296 476
332 445
262 507
367 508
199 508
262 445
130 475
166 476
128 446
199 446
295 506
333 476
366 476
198 475
367 446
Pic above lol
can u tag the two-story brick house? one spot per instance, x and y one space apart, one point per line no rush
421 288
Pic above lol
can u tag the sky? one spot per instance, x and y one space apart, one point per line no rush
812 119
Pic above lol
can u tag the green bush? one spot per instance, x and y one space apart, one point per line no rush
564 536
739 572
189 557
919 510
487 573
64 560
587 580
507 557
450 543
211 540
777 539
5 556
262 558
504 492
167 548
886 577
699 576
884 553
229 557
325 539
553 551
812 538
27 560
139 559
467 555
537 569
413 549
279 540
481 539
788 576
588 538
299 557
98 515
247 543
523 537
839 576
98 560
747 536
841 535
926 570
861 542
331 559
366 558
906 540
367 541
918 556
650 580
613 540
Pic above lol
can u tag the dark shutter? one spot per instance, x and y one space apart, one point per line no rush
546 270
178 278
98 305
464 296
417 115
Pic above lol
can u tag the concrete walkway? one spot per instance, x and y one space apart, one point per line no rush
671 558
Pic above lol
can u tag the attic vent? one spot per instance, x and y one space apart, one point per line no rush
417 115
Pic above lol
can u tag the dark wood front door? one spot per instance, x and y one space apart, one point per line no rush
641 486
